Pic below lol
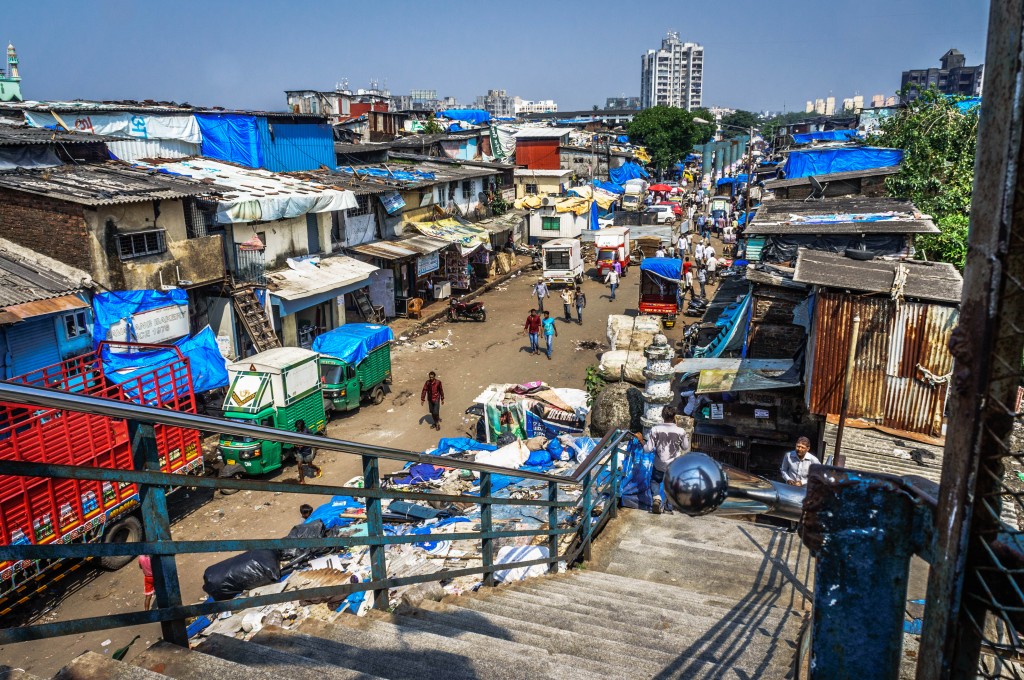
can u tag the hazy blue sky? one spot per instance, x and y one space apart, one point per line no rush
758 55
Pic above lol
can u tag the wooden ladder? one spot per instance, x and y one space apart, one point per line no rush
366 308
254 318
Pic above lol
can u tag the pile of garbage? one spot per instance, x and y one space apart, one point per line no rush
527 445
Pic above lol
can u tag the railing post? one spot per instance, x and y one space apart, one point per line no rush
486 543
586 525
375 529
552 525
156 525
614 496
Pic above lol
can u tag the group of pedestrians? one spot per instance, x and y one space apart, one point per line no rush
535 323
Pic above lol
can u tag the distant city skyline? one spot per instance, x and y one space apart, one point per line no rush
246 55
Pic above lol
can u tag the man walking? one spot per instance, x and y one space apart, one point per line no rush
688 282
701 221
668 441
540 289
683 244
567 301
532 329
698 253
433 391
581 303
612 279
702 279
550 332
712 264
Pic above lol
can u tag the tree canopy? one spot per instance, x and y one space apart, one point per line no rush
939 142
670 133
741 119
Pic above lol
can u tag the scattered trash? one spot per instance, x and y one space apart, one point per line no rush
438 344
588 345
105 642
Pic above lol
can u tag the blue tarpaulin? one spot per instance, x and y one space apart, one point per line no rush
352 342
207 366
231 137
403 175
473 116
627 171
742 219
623 139
968 104
120 305
825 136
663 267
828 161
609 186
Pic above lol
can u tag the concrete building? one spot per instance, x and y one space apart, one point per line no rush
10 80
498 103
672 75
622 103
523 106
952 77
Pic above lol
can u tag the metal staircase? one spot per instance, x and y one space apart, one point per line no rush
254 318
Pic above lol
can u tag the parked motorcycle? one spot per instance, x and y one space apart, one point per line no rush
458 310
696 307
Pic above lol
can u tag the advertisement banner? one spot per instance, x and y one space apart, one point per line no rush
393 202
427 263
159 325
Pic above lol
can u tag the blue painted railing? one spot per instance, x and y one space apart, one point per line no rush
597 476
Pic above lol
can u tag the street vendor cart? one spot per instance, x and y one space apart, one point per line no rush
659 288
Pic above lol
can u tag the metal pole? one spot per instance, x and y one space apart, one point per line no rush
838 459
986 348
486 543
375 528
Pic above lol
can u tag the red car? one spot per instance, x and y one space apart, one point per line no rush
677 209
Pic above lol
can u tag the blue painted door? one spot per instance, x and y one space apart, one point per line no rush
33 345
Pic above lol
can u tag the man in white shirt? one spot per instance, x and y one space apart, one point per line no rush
660 252
612 279
668 441
709 250
682 245
798 462
698 253
711 262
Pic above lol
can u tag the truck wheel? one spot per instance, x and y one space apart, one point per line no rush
127 530
377 396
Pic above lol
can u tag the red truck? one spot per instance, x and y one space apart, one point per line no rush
47 510
612 245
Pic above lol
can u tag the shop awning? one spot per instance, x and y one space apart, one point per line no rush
27 310
745 380
466 236
308 283
385 250
424 245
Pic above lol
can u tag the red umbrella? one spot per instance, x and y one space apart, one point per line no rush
659 187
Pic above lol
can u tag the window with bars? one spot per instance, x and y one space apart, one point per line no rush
362 206
141 243
200 219
467 189
531 189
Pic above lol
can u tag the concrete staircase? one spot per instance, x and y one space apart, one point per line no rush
663 597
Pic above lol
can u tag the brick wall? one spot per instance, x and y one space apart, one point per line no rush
48 226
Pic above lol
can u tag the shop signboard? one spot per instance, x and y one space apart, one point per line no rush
392 201
427 263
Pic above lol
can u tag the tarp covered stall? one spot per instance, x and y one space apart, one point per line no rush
627 171
206 364
352 342
231 137
140 315
466 236
827 161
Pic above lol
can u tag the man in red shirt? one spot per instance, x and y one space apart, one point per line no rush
433 391
532 329
687 265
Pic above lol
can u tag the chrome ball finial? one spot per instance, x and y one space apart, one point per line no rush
696 483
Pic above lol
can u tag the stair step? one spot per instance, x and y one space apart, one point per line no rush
674 633
432 652
93 666
457 621
186 664
601 597
281 664
631 589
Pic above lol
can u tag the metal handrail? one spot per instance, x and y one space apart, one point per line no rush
151 482
56 399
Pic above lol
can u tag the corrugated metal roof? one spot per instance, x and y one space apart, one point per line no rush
385 250
831 177
17 135
525 172
845 215
27 276
937 281
64 303
902 362
306 281
102 184
423 245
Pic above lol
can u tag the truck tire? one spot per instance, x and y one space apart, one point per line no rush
231 492
127 530
377 396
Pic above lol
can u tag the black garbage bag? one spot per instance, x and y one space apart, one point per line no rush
314 529
235 575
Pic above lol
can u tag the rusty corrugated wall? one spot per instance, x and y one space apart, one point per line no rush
900 352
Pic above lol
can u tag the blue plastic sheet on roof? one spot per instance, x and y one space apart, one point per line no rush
504 118
724 181
404 175
663 267
231 137
825 136
623 139
120 305
352 342
827 161
610 186
472 116
627 171
206 364
742 219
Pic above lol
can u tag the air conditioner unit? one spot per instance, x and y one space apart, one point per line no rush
545 201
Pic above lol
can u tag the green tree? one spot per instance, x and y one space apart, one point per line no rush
742 119
939 142
431 126
669 133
